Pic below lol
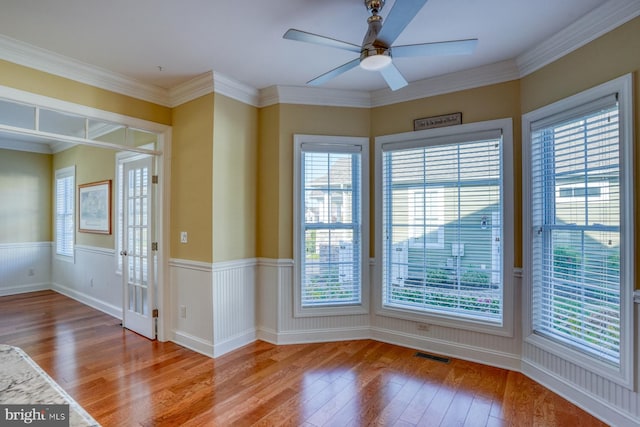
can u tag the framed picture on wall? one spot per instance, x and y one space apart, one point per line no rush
94 207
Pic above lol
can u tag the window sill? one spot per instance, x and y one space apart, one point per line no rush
349 310
468 323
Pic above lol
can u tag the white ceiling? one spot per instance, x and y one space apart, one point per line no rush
242 39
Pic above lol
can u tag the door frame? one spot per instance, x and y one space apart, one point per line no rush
163 169
121 236
161 210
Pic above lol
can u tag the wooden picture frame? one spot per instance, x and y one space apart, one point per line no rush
94 207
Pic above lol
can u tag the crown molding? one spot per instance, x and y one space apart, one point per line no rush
234 89
467 79
46 61
314 96
596 23
188 91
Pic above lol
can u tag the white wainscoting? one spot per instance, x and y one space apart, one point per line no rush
234 305
25 267
190 283
90 279
614 404
278 325
276 321
488 349
267 291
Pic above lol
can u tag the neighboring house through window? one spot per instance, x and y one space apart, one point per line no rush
331 235
579 222
65 218
445 230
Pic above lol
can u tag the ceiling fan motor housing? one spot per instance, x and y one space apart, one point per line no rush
374 6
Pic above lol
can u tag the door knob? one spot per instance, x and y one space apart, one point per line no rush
123 253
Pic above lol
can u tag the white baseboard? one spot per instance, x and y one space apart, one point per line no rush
234 343
23 289
322 335
193 343
581 398
267 335
445 348
109 309
449 349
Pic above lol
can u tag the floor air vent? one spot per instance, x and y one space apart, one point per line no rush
432 357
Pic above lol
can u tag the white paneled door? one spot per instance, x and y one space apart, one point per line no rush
138 257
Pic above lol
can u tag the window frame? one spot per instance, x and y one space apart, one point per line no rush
329 142
453 134
62 173
623 375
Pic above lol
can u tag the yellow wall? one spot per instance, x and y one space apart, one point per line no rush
38 82
235 150
485 103
267 186
276 164
25 197
92 164
610 56
192 179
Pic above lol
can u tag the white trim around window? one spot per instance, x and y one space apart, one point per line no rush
331 225
617 365
497 227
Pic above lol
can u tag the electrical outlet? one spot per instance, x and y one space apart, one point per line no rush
422 327
183 311
183 237
32 272
91 282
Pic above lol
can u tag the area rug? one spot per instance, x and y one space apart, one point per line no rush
23 384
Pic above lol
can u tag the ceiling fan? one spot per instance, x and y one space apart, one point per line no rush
376 52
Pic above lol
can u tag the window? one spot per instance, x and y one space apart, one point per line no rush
442 221
331 243
580 218
65 202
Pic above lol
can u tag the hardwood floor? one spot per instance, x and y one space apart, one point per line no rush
122 379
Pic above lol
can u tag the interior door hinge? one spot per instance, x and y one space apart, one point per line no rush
154 179
154 246
155 313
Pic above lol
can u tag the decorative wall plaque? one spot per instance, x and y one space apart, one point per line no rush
437 121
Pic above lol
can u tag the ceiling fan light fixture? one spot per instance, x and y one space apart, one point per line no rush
375 59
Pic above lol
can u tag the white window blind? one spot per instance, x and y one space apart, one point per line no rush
331 226
576 218
65 202
442 205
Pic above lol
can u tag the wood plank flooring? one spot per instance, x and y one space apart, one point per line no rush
123 379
